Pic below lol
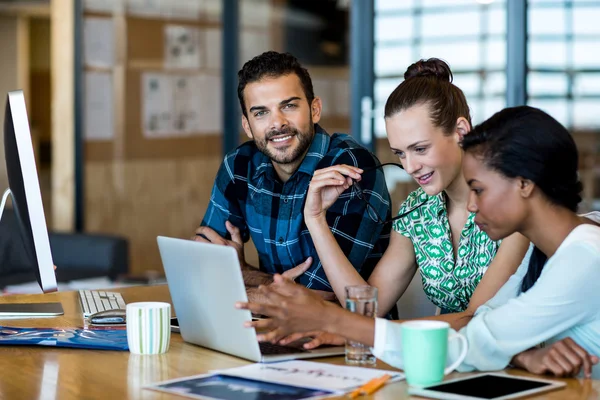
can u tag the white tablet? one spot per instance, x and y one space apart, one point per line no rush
488 387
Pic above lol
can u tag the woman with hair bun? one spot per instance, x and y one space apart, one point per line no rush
426 117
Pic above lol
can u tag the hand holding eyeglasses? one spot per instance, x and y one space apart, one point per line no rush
325 188
329 183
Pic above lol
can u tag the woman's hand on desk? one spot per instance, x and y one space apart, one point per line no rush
563 358
292 308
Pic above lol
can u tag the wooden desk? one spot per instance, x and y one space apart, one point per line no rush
50 373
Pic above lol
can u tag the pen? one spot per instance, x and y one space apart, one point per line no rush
370 387
203 237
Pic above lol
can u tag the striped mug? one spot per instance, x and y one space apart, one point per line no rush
148 327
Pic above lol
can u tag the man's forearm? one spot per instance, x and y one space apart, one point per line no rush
253 277
254 296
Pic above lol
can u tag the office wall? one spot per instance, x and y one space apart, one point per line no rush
135 184
141 186
8 78
39 77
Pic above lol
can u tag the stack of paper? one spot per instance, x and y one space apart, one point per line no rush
289 379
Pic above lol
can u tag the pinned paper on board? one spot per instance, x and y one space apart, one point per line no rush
212 10
146 8
104 6
183 9
186 105
182 47
256 13
98 106
156 110
180 105
98 42
253 44
213 45
168 9
210 104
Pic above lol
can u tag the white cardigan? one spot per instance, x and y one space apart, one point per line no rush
564 302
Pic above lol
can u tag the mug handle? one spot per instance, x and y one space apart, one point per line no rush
463 353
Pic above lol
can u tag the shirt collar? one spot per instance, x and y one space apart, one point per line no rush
439 202
317 150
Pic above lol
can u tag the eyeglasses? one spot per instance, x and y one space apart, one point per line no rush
361 194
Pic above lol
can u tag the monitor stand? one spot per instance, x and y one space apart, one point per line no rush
26 310
7 192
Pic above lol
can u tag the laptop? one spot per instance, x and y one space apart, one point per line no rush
205 281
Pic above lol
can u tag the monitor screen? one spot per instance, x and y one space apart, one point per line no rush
25 189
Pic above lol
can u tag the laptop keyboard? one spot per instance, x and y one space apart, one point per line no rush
267 348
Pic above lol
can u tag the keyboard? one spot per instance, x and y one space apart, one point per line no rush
268 348
93 301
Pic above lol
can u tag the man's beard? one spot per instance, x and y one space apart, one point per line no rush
304 141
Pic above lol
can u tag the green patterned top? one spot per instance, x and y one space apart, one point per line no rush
448 283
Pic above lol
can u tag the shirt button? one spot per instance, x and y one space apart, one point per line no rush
285 200
280 240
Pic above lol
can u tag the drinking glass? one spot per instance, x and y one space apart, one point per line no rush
361 300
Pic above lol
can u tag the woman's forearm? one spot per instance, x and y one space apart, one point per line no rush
340 272
457 320
350 325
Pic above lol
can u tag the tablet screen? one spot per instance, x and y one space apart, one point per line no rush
488 386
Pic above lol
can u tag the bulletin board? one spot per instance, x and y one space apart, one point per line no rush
150 94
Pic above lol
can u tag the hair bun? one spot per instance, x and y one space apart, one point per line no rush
432 67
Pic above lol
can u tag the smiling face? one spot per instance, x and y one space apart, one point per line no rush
280 119
430 156
499 202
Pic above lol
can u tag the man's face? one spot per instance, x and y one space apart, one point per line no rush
280 119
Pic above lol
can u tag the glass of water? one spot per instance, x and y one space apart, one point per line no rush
361 300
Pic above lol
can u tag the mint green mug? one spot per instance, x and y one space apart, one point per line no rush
425 351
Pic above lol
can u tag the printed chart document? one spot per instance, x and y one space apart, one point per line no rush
285 380
310 374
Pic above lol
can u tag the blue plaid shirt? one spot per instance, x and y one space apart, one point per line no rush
249 194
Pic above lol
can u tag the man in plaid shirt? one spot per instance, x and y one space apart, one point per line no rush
260 188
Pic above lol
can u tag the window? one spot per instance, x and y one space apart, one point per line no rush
468 35
564 60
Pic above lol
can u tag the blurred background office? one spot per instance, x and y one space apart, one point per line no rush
133 103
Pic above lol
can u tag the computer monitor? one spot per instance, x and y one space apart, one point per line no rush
24 187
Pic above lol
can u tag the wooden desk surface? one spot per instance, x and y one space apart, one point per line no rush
47 373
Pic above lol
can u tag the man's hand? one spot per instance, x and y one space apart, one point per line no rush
563 358
319 338
298 270
207 235
292 308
